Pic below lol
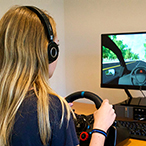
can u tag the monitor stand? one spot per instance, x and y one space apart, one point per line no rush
139 101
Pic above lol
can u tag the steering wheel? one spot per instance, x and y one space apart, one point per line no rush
84 123
138 76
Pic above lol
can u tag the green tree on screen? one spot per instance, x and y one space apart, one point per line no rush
108 54
126 52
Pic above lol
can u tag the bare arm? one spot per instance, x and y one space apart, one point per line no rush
103 119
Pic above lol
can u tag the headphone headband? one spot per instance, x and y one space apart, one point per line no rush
53 49
45 21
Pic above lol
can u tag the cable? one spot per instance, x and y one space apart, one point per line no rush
142 92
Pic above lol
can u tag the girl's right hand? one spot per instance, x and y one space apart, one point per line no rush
104 116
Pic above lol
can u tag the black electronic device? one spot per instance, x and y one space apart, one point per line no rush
123 65
84 123
136 110
53 50
123 60
133 117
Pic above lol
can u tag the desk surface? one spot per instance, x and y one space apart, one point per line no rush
84 108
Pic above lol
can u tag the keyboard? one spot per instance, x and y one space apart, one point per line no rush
137 130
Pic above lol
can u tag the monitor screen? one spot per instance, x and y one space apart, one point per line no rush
123 60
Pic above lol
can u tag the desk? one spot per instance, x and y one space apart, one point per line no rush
84 108
132 142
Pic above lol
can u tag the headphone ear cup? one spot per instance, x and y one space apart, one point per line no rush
53 52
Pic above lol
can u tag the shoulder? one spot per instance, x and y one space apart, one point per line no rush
31 102
29 105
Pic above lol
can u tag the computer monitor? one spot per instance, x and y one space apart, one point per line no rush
123 60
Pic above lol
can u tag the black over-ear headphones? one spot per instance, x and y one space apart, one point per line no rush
53 50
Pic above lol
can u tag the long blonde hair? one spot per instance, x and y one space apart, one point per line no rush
24 64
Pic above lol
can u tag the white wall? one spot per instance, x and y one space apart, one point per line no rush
85 20
56 9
